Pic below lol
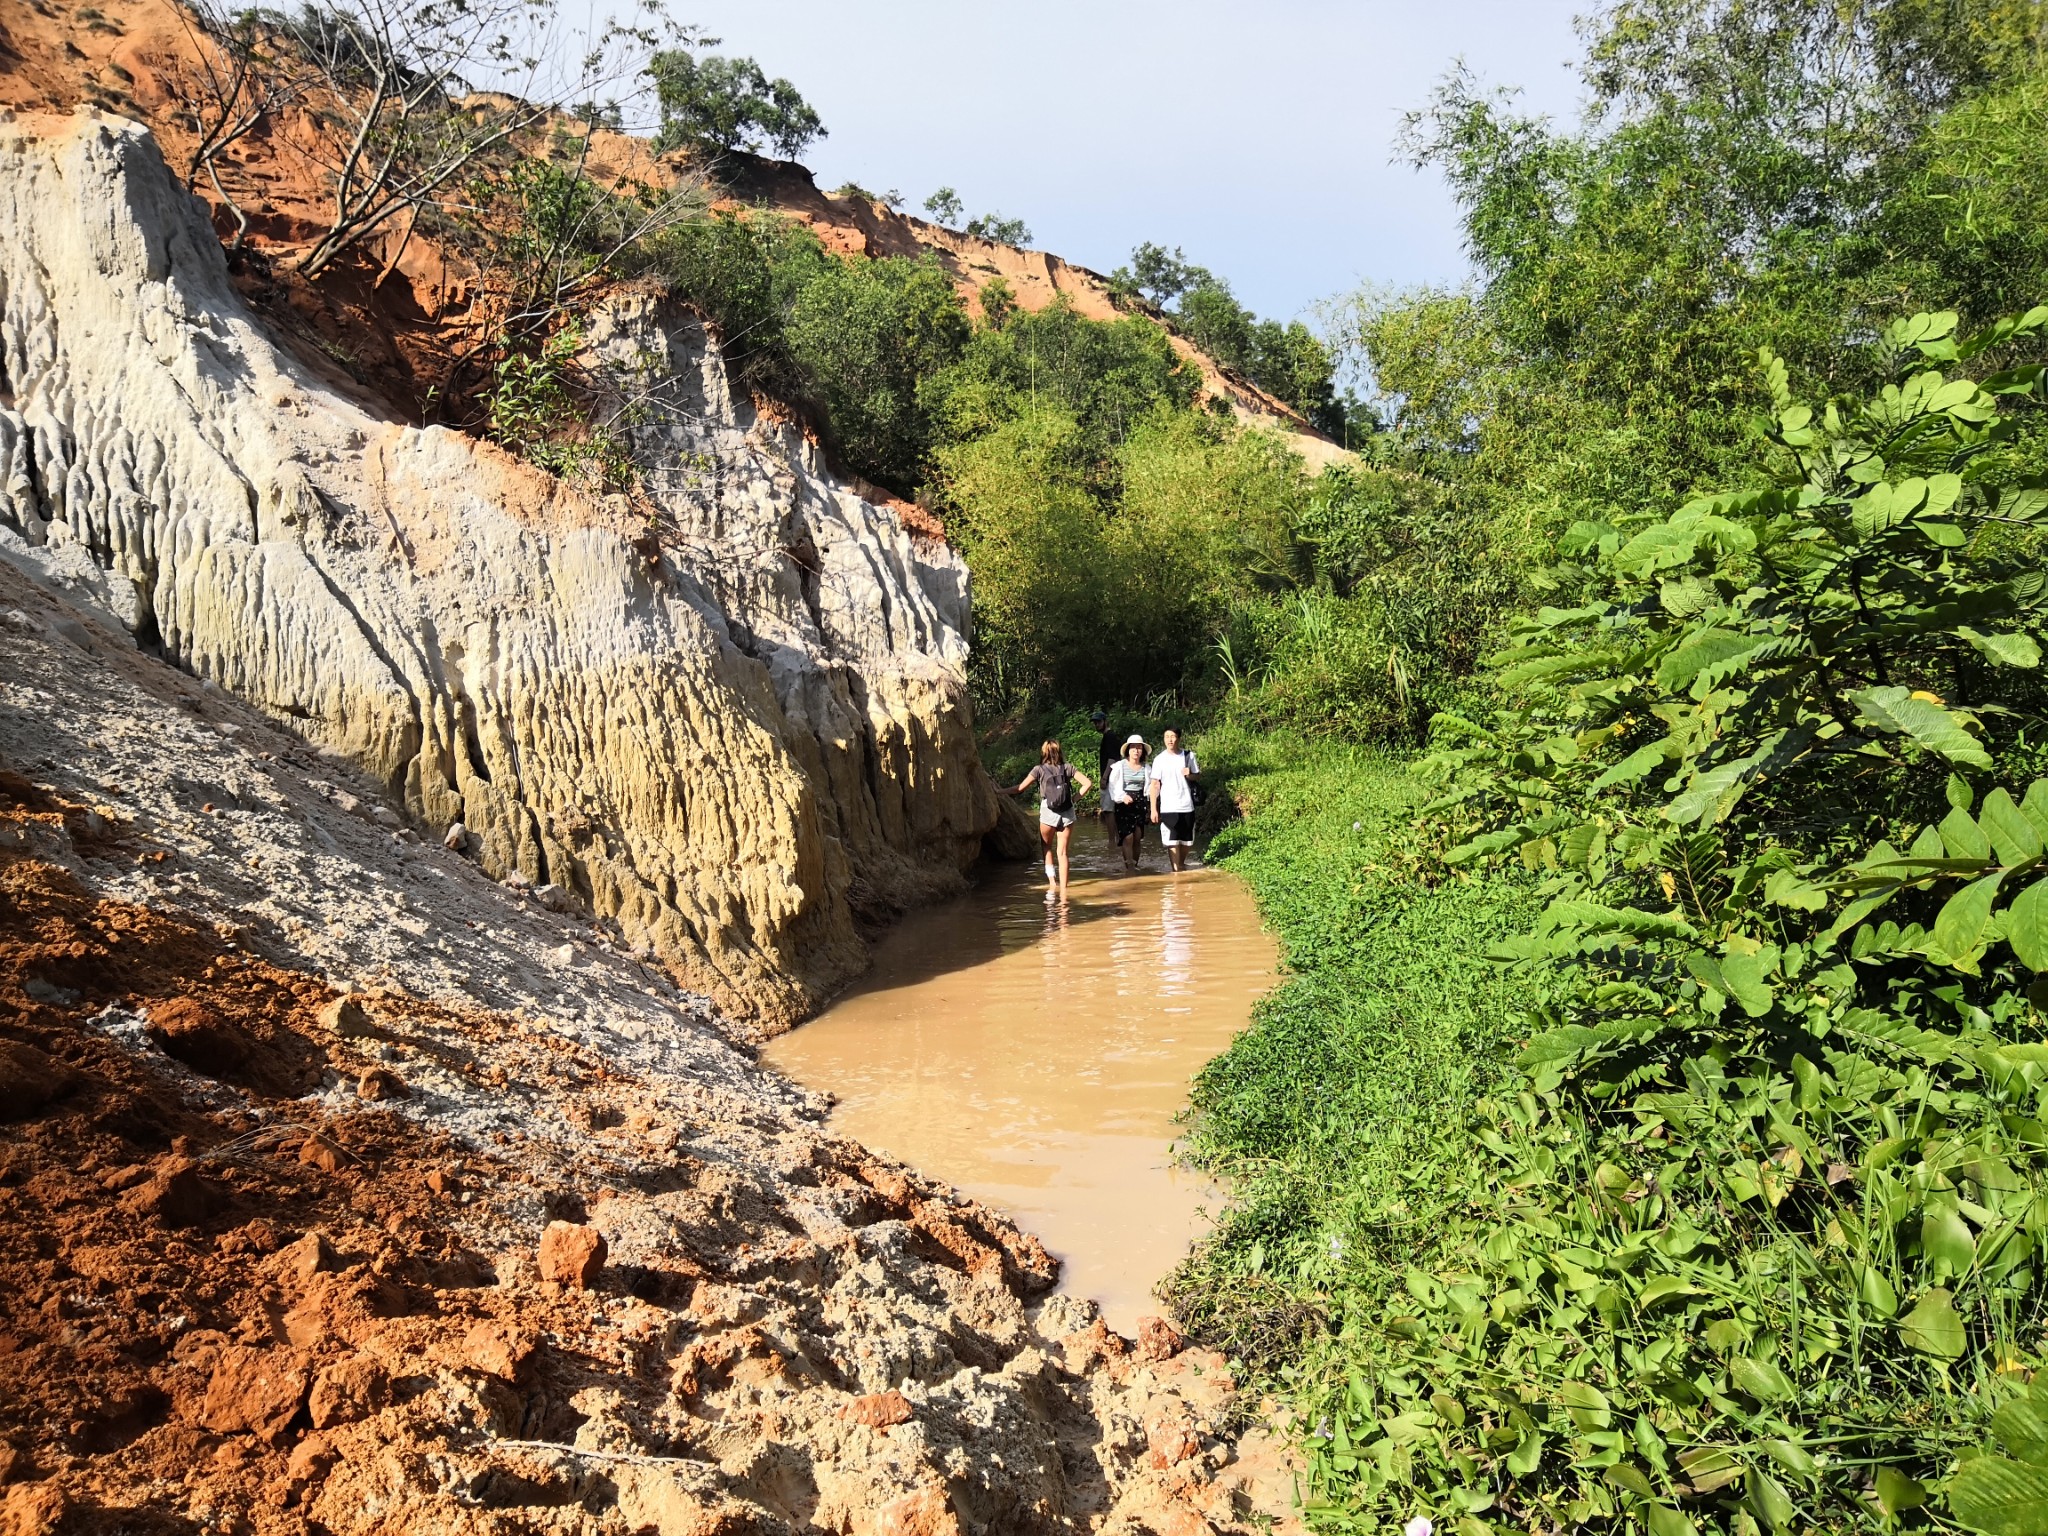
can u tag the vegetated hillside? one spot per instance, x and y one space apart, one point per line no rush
409 308
855 224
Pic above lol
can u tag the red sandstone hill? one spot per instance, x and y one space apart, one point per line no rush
405 315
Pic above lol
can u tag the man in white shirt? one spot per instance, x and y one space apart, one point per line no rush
1172 791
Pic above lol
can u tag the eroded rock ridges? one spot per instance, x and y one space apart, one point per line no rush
725 733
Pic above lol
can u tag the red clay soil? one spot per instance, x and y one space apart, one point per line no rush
201 1291
181 1292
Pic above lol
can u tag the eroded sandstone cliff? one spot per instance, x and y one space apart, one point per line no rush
726 727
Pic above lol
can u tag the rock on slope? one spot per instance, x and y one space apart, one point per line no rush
726 730
346 1190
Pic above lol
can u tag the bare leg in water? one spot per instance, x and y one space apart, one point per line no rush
1045 836
1066 835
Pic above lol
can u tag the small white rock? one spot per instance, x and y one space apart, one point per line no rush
456 837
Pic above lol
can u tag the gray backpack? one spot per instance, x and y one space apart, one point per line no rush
1056 787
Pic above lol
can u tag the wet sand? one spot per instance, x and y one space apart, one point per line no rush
1036 1051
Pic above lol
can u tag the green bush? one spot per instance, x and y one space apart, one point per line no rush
859 342
537 410
869 337
1335 1114
1757 1231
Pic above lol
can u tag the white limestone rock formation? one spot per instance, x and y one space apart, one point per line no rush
725 744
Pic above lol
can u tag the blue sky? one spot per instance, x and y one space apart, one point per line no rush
1257 137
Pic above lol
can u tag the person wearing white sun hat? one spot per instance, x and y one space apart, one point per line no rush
1126 788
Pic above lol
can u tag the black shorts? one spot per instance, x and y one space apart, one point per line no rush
1130 819
1177 828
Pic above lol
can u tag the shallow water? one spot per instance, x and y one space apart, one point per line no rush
1035 1052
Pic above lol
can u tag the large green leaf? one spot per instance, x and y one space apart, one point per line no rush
1963 838
2026 926
2000 1497
2004 650
2022 1428
1933 1328
1759 1379
1635 765
1945 1243
1745 976
1660 548
1899 712
1708 1467
2015 839
1763 1493
1710 796
1897 1493
1586 1404
1959 929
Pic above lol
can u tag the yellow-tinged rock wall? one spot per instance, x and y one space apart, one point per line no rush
728 748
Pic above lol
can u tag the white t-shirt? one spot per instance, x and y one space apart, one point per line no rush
1170 772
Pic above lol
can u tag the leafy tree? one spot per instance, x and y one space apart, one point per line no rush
1105 377
998 230
998 302
1106 580
1161 276
1759 1192
1752 172
945 207
1019 502
1284 360
722 104
868 336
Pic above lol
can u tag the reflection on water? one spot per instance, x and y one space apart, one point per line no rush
1034 1050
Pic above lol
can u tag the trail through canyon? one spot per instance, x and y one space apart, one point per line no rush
1036 1051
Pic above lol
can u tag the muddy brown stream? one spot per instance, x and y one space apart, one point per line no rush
1035 1052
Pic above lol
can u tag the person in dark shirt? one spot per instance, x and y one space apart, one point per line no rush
1107 751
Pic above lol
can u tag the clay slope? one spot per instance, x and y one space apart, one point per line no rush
729 725
347 1191
397 314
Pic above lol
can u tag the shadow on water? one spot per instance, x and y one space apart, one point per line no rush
1035 1050
1007 911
